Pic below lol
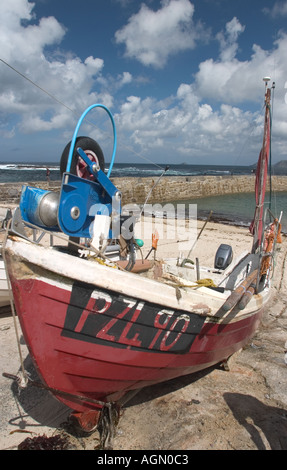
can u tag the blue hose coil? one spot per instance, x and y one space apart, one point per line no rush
68 168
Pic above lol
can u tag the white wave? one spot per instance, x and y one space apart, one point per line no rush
25 167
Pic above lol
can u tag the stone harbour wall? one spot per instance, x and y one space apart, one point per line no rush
167 189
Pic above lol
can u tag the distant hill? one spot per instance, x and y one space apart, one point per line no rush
279 168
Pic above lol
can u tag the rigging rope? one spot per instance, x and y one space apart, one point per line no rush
37 86
24 379
76 113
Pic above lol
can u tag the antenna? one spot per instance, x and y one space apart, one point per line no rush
266 80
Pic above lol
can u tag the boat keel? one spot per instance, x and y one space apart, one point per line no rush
105 421
86 421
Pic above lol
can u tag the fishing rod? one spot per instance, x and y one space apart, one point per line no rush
152 188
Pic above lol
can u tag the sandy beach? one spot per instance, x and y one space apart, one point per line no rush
244 408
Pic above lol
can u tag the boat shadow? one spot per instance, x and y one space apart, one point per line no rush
265 424
40 407
152 392
44 409
5 312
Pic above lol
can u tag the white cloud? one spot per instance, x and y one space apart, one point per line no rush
206 117
186 130
23 40
228 39
191 127
126 78
18 42
278 9
151 37
12 10
234 81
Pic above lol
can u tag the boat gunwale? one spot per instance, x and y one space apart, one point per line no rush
191 300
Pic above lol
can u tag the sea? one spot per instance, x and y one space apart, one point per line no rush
233 209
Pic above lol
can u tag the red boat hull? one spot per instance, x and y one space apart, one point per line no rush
91 346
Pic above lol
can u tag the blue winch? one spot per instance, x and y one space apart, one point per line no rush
80 202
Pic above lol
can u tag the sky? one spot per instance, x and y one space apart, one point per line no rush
183 79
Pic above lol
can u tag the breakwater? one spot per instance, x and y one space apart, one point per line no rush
168 188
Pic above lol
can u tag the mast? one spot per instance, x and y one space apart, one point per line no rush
256 227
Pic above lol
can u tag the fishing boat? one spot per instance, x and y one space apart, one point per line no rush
4 291
100 321
5 215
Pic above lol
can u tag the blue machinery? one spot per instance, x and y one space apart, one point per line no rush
73 211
